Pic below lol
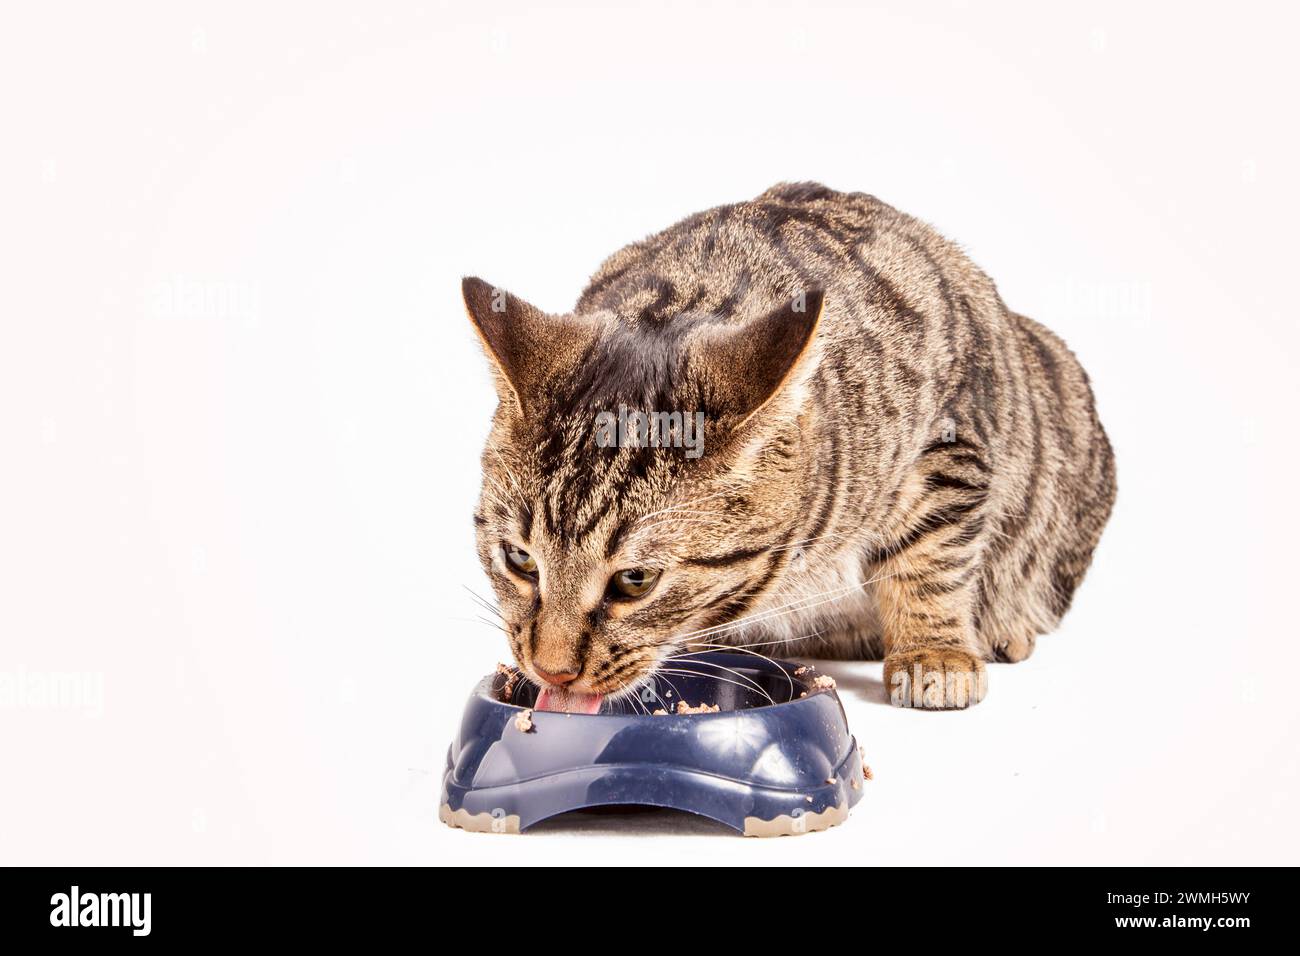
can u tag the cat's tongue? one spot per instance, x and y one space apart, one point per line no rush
568 701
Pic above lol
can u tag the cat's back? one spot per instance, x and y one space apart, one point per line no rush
919 363
732 259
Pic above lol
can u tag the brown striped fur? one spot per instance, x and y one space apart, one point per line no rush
906 468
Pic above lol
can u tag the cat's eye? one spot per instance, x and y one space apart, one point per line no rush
520 560
633 582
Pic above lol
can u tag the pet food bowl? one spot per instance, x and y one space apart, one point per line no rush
775 758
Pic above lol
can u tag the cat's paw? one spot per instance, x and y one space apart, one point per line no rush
935 678
1010 650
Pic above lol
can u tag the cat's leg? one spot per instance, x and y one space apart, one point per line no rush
927 588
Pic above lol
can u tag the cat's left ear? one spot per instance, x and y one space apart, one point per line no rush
746 364
525 344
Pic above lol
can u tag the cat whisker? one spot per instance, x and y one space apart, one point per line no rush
807 541
739 644
795 605
678 521
813 636
723 680
628 688
635 701
659 674
662 703
479 619
688 659
483 602
800 604
821 537
684 504
646 681
680 511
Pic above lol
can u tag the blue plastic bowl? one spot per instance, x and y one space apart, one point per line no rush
777 757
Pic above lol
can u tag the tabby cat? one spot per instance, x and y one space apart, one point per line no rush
892 462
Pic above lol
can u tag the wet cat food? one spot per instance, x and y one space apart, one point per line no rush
524 721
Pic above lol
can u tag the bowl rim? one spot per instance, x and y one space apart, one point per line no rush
487 689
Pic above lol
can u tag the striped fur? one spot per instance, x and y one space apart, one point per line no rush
915 472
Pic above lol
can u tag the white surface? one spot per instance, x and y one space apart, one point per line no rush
242 408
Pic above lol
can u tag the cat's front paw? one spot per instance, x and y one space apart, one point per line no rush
935 678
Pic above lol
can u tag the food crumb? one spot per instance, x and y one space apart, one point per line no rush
524 721
824 682
808 799
800 671
866 771
832 779
855 783
685 708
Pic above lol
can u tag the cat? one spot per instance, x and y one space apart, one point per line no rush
893 464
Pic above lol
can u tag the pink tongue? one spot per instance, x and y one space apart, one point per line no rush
568 702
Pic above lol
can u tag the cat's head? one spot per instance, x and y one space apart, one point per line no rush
640 480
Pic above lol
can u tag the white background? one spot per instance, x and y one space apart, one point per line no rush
241 408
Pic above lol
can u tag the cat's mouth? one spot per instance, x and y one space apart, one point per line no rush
566 701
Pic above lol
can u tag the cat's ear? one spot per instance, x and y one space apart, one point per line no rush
524 343
747 363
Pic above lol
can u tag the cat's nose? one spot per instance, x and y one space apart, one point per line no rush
564 677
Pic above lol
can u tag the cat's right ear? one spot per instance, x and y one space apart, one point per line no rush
745 364
523 343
